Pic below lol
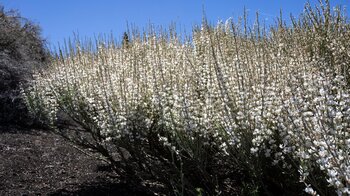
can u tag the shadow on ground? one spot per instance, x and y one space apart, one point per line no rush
36 162
101 188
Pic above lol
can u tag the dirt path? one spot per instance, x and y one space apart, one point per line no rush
35 162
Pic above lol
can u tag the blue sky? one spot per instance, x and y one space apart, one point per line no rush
60 18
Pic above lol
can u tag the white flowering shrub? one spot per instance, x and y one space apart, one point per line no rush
264 110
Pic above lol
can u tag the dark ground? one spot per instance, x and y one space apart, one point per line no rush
34 162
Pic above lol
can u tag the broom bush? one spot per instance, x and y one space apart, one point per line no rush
231 109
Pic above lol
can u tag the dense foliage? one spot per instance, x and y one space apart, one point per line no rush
21 50
233 110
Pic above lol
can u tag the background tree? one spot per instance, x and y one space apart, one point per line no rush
125 42
21 51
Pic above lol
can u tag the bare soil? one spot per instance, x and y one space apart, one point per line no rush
36 162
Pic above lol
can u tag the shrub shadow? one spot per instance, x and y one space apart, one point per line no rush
103 189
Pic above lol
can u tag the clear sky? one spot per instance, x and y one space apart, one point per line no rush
60 18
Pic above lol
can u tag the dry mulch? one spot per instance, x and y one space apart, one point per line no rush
36 162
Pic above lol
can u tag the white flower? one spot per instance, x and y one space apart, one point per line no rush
332 173
322 153
310 190
254 150
308 114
